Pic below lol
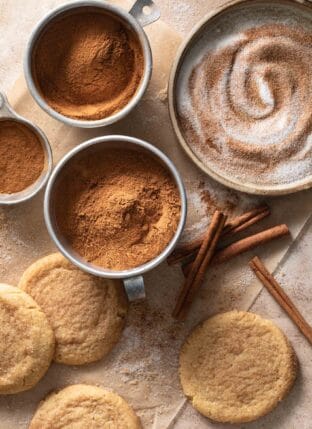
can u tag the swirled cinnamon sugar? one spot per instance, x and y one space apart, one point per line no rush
246 107
118 209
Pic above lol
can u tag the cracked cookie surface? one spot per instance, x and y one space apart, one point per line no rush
81 406
87 313
235 367
26 341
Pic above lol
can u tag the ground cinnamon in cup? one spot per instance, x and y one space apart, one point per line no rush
118 209
21 157
87 65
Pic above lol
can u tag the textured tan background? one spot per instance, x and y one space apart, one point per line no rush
17 17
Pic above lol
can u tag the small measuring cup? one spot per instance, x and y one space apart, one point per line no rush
8 114
142 13
132 278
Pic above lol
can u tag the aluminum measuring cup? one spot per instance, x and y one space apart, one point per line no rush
132 278
135 19
7 113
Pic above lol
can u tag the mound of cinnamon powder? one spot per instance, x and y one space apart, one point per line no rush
21 157
87 65
118 209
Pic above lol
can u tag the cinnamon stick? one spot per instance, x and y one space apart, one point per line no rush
238 224
245 220
244 245
185 251
281 297
250 242
202 260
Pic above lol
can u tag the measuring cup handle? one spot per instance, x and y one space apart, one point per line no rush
152 13
5 109
134 288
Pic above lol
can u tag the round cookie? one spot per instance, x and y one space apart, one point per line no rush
235 367
87 313
26 341
81 406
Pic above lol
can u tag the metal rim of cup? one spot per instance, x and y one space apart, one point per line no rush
8 113
93 269
147 53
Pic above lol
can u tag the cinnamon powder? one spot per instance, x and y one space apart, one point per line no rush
21 157
87 65
118 209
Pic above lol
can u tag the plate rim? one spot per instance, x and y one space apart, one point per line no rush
249 188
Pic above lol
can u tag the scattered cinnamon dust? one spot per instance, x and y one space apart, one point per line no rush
118 209
88 65
21 157
227 206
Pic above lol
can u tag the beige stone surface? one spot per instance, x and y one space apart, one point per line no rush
143 366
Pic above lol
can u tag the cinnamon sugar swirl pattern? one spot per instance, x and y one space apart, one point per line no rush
248 108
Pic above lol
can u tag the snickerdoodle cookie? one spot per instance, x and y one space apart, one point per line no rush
84 406
235 367
87 313
26 341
